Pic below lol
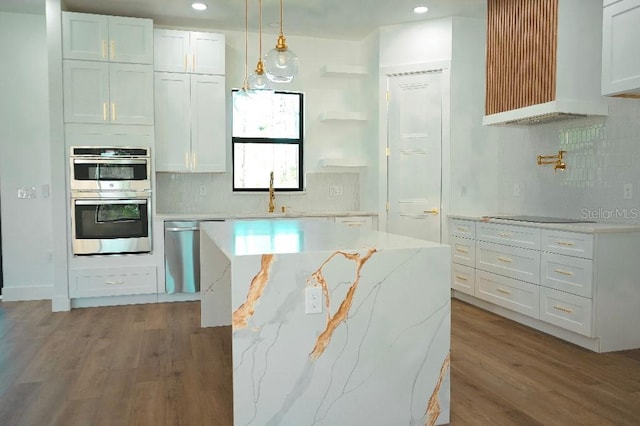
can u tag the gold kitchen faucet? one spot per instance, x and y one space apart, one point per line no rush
272 195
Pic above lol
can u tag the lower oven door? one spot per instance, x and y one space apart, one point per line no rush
111 225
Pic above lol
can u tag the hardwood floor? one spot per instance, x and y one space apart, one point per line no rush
154 365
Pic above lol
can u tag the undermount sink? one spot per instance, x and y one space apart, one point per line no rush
541 219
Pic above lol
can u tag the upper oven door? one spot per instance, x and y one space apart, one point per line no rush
107 174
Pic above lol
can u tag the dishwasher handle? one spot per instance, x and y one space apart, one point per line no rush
193 228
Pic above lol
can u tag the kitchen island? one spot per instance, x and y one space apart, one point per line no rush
377 354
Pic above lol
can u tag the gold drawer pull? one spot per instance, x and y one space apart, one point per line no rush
104 111
504 259
462 229
563 309
505 234
461 278
503 291
432 211
459 250
564 243
104 49
114 282
560 271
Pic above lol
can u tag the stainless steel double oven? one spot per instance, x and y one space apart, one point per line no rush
110 200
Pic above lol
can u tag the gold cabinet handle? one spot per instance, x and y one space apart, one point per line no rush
560 271
193 63
113 111
432 211
505 259
104 49
505 234
462 229
503 291
104 111
114 282
460 250
186 62
113 49
563 309
564 243
186 160
461 278
194 160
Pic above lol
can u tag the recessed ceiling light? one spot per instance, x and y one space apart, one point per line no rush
199 6
420 9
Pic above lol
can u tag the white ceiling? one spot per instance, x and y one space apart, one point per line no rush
341 19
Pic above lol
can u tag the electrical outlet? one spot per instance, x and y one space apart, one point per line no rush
627 191
203 190
516 189
313 300
335 190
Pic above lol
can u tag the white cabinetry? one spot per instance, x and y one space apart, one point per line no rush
620 48
578 286
189 52
94 282
101 92
92 37
190 122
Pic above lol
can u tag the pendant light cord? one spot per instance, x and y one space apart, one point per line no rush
281 15
260 2
245 83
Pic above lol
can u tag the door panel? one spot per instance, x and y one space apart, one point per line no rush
207 53
208 131
131 89
86 92
414 162
173 129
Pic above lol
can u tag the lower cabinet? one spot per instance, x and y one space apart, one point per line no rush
94 282
578 286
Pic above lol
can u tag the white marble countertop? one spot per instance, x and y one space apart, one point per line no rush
253 237
584 227
262 215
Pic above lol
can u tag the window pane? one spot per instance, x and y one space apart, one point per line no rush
253 162
266 114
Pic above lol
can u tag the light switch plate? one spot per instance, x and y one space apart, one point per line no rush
313 300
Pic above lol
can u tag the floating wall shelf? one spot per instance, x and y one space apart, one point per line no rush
342 162
341 115
344 70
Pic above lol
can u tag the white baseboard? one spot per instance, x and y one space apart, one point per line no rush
91 302
20 294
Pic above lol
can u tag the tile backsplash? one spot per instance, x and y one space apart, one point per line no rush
603 156
202 193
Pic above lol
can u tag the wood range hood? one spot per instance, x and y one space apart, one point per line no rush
543 61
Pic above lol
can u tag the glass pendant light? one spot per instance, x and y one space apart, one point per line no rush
243 95
258 80
281 64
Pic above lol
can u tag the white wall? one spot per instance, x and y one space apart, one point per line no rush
603 154
25 157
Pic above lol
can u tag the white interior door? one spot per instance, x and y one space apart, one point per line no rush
414 163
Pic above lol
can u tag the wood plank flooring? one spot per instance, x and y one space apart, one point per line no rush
154 365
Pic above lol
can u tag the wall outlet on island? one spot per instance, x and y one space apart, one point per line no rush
335 190
313 300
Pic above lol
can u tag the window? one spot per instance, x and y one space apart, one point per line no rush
267 136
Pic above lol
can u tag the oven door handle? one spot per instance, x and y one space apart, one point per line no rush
109 161
104 202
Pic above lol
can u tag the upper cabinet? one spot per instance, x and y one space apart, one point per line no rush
189 52
92 37
543 60
620 48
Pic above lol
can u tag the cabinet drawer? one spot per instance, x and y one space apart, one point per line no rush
463 251
569 274
463 228
512 262
566 310
93 282
509 293
355 221
463 278
517 236
569 243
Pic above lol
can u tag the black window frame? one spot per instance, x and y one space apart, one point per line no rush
299 141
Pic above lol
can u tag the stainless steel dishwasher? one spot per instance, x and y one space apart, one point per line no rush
182 256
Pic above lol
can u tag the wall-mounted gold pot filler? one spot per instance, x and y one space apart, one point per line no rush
556 160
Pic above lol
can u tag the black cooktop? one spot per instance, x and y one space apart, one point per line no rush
541 219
